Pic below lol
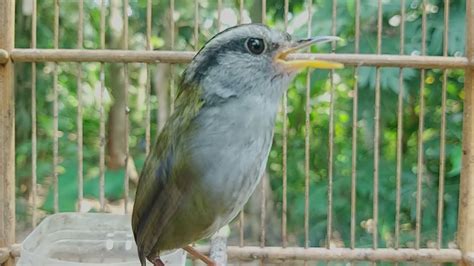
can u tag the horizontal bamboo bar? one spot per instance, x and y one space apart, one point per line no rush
468 258
323 254
106 56
405 61
341 254
15 250
129 56
3 56
4 255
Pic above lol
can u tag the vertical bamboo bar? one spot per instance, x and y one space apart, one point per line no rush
442 145
262 212
399 130
196 25
7 130
34 150
262 182
215 239
241 214
172 88
331 133
307 160
466 196
241 11
377 132
127 110
420 164
102 112
241 228
355 107
284 238
219 15
307 139
149 14
80 157
56 112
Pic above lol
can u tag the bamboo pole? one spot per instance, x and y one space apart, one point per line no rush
7 130
129 56
4 254
275 254
4 57
466 195
278 254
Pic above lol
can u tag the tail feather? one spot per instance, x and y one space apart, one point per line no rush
141 252
142 257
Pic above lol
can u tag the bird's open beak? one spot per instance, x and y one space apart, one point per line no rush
293 65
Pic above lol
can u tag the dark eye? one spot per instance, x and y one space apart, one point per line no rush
255 45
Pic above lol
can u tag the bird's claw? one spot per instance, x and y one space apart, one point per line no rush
158 262
199 255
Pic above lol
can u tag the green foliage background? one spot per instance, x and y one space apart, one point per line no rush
319 114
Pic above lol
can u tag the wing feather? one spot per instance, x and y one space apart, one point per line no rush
164 179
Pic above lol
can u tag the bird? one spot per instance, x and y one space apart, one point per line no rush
213 149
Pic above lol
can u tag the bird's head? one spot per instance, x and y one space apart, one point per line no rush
250 59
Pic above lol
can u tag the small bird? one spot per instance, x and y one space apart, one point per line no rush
212 151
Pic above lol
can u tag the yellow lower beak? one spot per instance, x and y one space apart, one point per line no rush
293 65
299 64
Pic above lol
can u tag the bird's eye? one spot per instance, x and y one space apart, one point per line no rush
255 45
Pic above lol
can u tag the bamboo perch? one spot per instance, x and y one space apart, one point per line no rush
323 254
3 56
4 255
340 254
129 56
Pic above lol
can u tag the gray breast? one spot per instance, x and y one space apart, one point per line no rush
230 148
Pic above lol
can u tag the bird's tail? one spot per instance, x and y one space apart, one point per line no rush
142 257
141 253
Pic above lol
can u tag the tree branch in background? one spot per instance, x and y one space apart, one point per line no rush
116 149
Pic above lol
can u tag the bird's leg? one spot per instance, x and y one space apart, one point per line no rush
199 255
157 262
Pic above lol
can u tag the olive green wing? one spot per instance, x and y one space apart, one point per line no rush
156 202
164 178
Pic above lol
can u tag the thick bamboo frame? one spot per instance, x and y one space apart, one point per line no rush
466 195
280 254
7 130
464 255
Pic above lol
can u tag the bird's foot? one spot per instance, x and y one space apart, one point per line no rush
199 255
157 262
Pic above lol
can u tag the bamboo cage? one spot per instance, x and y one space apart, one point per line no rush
463 254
